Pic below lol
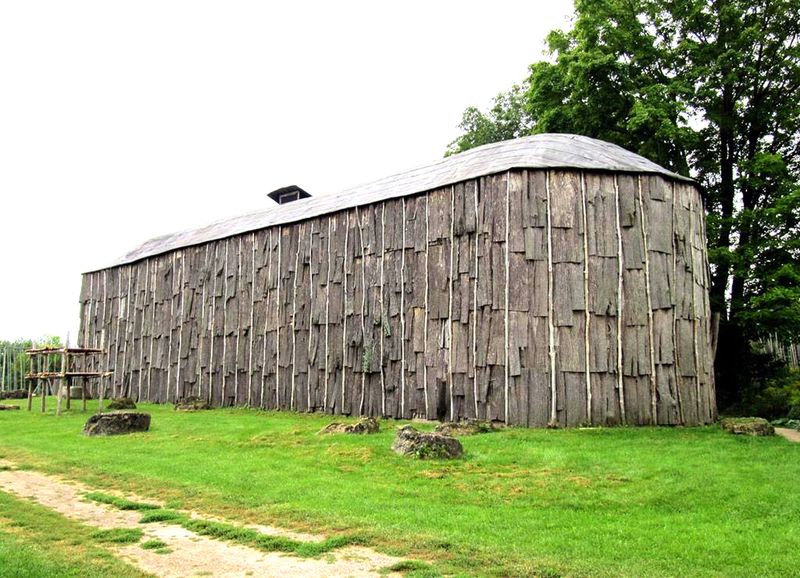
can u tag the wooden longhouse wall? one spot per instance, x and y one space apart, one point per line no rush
529 296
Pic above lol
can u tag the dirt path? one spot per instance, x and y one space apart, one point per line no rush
191 554
790 434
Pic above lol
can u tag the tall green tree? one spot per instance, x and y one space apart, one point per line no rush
708 89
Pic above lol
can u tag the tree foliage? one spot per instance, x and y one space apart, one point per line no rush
708 89
15 364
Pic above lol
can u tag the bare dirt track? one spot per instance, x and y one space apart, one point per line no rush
790 434
189 554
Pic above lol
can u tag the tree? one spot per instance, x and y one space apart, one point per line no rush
708 89
15 363
506 119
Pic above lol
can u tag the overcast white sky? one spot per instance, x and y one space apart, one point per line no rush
120 121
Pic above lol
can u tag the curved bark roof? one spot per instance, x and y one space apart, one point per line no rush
533 152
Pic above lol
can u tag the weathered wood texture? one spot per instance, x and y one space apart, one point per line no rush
434 305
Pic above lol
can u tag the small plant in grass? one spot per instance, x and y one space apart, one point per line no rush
118 535
786 422
413 569
153 544
162 516
314 549
156 545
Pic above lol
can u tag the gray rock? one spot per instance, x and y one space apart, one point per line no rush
121 403
367 425
77 391
751 426
192 403
116 423
411 442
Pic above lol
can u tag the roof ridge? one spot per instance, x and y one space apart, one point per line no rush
544 150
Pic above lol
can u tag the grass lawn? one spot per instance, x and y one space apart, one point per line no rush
35 542
598 502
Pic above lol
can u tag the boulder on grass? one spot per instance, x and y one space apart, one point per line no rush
14 394
4 407
464 428
116 423
121 403
367 425
78 391
751 426
192 403
411 442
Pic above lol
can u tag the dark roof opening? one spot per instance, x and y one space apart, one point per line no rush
288 194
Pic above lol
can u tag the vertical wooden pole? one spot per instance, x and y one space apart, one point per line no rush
475 307
713 332
116 339
141 330
84 383
425 320
550 327
278 325
238 321
101 387
695 323
363 310
384 316
403 315
587 316
224 398
34 370
646 248
182 293
103 361
171 320
327 316
675 356
620 302
202 329
45 383
344 310
156 276
125 378
506 295
450 305
310 314
300 231
66 382
266 317
251 332
213 315
90 338
129 330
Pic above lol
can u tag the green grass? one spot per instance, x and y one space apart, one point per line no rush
36 542
595 502
225 531
413 569
156 545
119 503
118 535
